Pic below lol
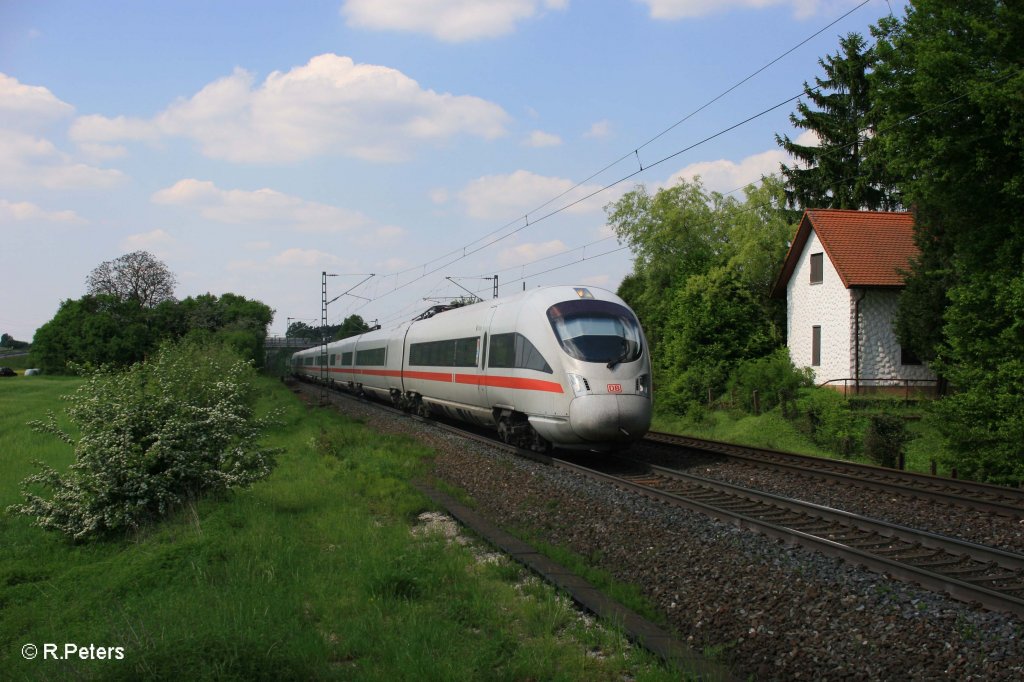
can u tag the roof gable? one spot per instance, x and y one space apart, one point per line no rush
867 248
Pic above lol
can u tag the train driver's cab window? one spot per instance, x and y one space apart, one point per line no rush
596 331
817 268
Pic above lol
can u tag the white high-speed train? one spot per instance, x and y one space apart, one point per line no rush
564 366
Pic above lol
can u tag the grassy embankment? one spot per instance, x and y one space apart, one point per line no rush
772 430
19 363
311 574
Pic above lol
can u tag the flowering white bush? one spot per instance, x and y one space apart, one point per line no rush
151 438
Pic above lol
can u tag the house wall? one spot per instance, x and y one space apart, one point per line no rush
828 305
879 347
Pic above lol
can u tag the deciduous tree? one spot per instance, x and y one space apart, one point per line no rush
948 94
136 276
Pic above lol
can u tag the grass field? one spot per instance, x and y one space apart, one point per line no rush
312 574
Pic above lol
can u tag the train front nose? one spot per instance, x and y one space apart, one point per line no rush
610 418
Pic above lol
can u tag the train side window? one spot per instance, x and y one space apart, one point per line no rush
432 353
503 351
528 357
446 353
467 351
346 358
371 357
515 351
333 358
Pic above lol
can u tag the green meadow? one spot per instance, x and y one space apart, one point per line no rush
311 574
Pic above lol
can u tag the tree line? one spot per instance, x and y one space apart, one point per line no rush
130 310
352 325
928 118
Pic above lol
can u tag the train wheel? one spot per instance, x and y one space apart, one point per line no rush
538 443
504 431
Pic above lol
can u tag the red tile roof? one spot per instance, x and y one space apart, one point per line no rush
867 248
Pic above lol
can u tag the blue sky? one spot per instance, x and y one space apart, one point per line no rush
252 145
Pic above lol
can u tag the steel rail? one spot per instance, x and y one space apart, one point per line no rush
880 548
981 496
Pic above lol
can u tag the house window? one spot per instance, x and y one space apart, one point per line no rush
817 267
816 346
908 357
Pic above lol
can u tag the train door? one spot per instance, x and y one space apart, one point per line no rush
497 368
483 330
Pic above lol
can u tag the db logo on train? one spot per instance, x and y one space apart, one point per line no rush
615 388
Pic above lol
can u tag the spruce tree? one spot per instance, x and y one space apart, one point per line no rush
839 173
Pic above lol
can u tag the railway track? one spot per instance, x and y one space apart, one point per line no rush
965 571
980 496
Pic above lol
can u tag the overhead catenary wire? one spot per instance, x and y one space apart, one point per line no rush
467 250
833 149
521 223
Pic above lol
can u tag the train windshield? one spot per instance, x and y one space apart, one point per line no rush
596 331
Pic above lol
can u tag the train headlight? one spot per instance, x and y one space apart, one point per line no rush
643 385
580 386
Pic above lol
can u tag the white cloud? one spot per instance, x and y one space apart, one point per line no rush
599 129
447 20
29 161
395 264
386 235
808 138
330 105
438 195
538 138
495 197
724 175
307 258
527 253
158 242
685 9
295 258
29 105
26 212
261 206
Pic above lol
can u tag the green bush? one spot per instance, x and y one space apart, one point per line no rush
827 419
774 377
885 439
151 438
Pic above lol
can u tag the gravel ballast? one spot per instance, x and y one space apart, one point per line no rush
770 611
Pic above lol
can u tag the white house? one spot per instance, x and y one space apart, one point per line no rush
842 280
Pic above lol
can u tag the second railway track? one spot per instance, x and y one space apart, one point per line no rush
980 496
965 571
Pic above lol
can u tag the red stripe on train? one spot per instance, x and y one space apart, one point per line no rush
472 379
509 382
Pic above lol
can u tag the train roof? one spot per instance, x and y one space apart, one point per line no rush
544 296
